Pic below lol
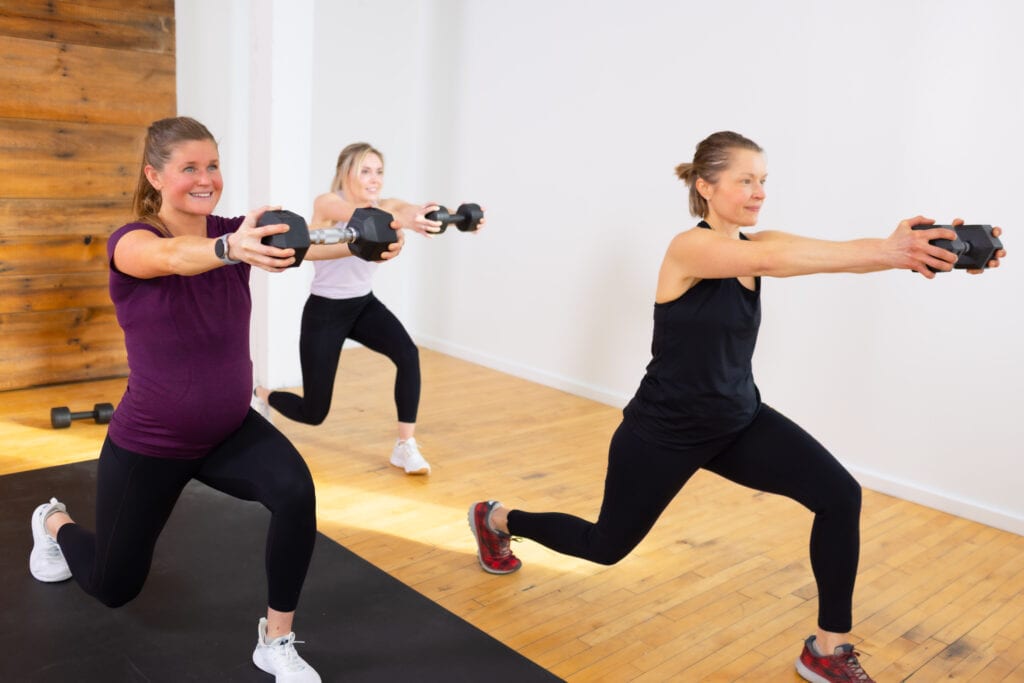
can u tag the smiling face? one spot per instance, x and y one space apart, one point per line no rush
362 186
735 199
189 183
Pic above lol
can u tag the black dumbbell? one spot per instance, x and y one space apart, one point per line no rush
61 417
466 219
974 246
368 233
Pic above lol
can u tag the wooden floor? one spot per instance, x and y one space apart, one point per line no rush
721 590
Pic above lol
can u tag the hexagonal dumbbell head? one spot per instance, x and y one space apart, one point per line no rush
296 238
974 246
373 233
982 246
441 214
471 215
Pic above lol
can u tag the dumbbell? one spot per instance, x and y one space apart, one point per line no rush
466 219
368 233
974 246
61 417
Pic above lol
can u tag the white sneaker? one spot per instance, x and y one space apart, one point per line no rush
407 456
279 658
46 561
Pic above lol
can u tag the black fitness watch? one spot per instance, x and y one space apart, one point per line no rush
220 248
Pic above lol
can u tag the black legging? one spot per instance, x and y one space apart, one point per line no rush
773 454
136 494
326 324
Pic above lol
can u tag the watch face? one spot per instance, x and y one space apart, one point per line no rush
218 247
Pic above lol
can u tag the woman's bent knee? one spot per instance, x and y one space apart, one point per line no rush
296 494
115 596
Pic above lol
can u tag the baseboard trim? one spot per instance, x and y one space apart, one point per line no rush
526 372
875 481
940 500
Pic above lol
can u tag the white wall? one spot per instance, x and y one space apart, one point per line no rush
565 120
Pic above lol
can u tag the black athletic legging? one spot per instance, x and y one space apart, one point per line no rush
326 324
135 495
773 454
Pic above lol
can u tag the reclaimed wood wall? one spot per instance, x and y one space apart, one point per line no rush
81 81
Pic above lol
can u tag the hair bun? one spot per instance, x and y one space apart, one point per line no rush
684 172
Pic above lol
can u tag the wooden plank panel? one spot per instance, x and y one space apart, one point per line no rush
47 254
54 291
43 178
59 216
143 6
29 139
89 84
46 347
116 25
68 331
82 79
101 362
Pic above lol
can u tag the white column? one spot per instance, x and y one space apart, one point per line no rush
279 102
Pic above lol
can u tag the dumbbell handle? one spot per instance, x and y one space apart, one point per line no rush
335 235
443 215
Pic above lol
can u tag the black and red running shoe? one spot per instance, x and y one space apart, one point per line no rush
493 549
841 667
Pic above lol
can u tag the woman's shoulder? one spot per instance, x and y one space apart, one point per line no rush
131 227
328 198
690 236
330 208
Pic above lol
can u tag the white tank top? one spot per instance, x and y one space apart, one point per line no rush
343 278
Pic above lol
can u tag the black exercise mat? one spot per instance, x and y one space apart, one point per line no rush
196 617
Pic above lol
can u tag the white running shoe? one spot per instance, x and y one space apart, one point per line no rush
279 658
407 456
46 561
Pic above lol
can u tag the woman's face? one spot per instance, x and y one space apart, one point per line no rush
190 182
737 197
364 181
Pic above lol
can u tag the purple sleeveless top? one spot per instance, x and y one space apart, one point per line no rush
189 366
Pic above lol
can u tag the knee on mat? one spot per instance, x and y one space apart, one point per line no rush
118 595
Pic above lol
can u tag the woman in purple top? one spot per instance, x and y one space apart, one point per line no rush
179 280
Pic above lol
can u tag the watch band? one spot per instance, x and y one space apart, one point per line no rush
220 248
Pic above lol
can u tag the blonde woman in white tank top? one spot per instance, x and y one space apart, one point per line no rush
342 305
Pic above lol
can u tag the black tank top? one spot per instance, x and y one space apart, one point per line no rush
699 384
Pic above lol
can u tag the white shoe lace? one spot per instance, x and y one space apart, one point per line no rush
284 651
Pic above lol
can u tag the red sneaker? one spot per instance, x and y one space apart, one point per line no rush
840 667
492 546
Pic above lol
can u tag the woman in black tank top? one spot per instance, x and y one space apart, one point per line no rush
698 407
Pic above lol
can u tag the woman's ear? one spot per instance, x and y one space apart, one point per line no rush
153 176
703 188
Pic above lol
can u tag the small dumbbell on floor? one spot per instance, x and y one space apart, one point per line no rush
974 246
62 416
368 233
466 219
